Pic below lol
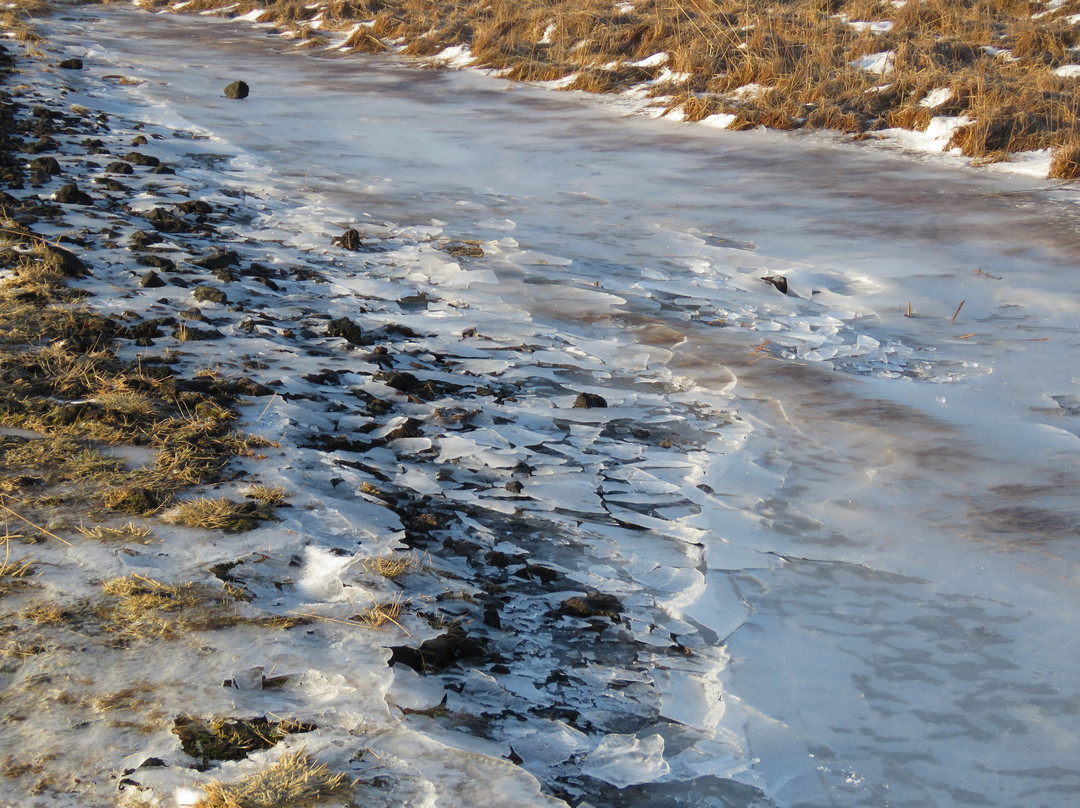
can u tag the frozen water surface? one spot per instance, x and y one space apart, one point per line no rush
858 498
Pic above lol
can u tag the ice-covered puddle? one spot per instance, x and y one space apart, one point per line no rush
831 493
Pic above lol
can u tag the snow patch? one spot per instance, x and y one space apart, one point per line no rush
880 63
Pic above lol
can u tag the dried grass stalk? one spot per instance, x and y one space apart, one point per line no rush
295 779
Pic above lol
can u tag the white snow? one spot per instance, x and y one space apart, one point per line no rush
880 63
874 27
935 98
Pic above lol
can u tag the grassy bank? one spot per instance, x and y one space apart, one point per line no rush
997 70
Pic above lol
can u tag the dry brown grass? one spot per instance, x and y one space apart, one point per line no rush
379 614
60 376
1065 164
219 513
130 532
801 52
295 779
391 566
18 18
138 608
14 572
272 496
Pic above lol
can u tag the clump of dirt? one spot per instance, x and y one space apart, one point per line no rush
232 738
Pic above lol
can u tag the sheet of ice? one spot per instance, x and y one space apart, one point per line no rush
624 760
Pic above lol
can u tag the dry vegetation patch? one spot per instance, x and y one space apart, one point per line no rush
62 379
379 614
14 571
138 608
295 779
233 738
219 514
996 58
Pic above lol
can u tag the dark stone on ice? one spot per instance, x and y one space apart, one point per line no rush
594 605
238 89
209 294
379 406
167 222
188 333
151 280
158 261
195 206
219 259
462 547
515 487
402 382
64 260
409 429
149 329
501 560
778 281
441 652
143 238
587 401
109 184
71 64
162 170
535 572
350 240
71 195
325 376
119 167
346 329
46 165
139 140
140 159
44 144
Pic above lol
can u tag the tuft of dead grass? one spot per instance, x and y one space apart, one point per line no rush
392 566
130 532
272 496
1065 162
138 608
14 572
295 779
379 614
219 514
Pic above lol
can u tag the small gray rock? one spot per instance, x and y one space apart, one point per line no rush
209 294
151 280
71 195
238 89
587 401
346 329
